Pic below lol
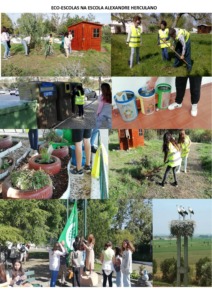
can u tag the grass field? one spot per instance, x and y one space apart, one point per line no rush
197 247
79 63
151 59
129 172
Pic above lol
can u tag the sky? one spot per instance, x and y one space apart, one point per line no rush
103 18
165 210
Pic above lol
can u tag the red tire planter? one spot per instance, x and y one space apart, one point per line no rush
9 192
61 152
5 141
50 169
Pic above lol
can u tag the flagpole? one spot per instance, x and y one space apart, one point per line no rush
85 217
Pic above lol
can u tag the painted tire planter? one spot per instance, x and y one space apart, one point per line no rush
5 141
60 152
5 172
51 168
9 192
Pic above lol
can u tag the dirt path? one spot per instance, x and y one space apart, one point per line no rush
193 184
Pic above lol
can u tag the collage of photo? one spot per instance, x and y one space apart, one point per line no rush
105 150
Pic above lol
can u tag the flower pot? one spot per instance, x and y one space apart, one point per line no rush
60 152
5 141
9 192
51 168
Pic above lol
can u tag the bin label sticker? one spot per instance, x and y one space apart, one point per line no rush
47 94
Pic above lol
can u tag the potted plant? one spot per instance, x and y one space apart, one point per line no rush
6 165
27 184
45 161
5 141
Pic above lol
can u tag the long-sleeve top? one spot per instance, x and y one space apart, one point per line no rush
182 41
54 259
126 265
4 37
66 42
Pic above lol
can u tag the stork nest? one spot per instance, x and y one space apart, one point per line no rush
182 228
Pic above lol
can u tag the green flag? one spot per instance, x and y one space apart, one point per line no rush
71 229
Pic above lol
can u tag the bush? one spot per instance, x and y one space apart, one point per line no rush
199 264
150 134
155 266
169 270
205 277
200 135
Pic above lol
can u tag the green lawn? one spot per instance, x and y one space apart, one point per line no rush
79 63
151 60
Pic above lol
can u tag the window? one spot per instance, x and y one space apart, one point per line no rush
96 32
140 132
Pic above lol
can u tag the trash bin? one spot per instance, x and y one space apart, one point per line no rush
46 95
18 114
126 104
163 91
147 98
63 102
73 156
67 135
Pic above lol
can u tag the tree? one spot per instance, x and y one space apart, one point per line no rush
8 233
7 22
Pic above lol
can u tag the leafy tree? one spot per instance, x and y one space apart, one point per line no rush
8 233
205 274
7 22
106 34
199 264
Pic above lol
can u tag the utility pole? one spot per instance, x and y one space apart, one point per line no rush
85 216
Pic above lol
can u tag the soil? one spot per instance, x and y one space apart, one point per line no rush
192 184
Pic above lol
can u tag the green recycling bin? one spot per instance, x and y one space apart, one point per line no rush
163 91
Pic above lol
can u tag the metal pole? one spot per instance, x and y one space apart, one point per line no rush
67 208
85 217
178 259
185 261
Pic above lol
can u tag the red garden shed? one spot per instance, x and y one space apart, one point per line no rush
86 35
130 138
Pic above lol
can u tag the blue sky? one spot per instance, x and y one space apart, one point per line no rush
165 210
103 18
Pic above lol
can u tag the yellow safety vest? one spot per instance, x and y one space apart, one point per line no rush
135 37
174 157
185 147
183 32
79 100
163 34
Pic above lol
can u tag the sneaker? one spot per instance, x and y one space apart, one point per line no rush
161 184
178 171
174 105
87 169
194 110
77 172
185 171
175 184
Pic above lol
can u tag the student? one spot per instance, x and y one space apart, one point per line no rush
18 274
25 42
172 157
50 44
79 100
117 267
89 247
134 39
80 136
104 111
70 40
126 265
63 266
184 143
4 40
182 45
76 258
107 259
163 37
4 276
66 44
180 82
54 261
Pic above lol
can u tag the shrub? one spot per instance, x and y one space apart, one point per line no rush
150 134
199 264
134 275
30 179
155 266
205 274
169 270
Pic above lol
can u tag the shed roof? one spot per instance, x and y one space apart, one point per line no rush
86 22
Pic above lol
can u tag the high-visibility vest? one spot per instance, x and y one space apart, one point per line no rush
185 147
163 34
135 37
183 32
174 156
79 100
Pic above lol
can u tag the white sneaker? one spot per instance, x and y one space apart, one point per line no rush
185 171
174 105
194 110
178 171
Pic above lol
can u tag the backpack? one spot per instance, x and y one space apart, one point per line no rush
22 249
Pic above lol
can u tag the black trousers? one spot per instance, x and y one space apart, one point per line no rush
168 168
195 86
76 278
81 110
107 277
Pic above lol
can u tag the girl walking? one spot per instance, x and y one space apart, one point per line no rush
126 266
104 110
171 156
184 143
117 267
80 100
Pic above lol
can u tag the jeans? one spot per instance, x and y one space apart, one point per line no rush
126 280
54 275
33 138
24 43
167 172
76 278
165 54
105 116
195 86
107 277
119 279
134 50
6 49
187 55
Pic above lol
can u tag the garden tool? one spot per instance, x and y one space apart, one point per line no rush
176 53
156 169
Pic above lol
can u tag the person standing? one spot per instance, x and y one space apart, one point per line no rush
26 42
126 265
76 258
54 261
70 41
107 259
163 37
89 247
80 100
63 266
104 111
184 142
117 267
4 41
66 44
134 40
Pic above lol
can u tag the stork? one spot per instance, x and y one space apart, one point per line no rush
179 211
184 212
191 212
